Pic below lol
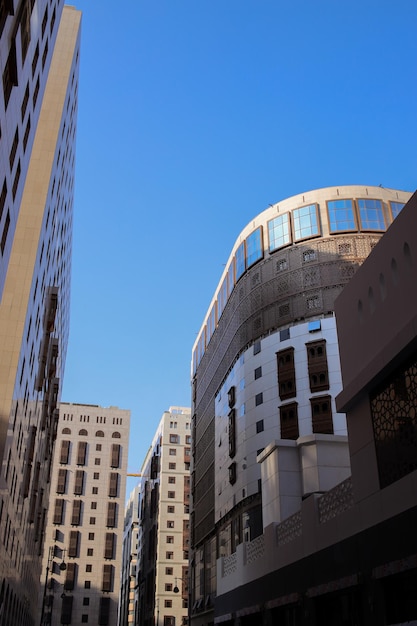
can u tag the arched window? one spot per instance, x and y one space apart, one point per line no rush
83 432
99 433
66 431
116 435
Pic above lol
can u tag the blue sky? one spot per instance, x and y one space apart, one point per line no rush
194 116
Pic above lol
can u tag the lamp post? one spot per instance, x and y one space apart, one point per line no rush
49 567
177 590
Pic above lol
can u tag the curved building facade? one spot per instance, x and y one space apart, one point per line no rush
265 368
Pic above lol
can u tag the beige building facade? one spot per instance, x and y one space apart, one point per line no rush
268 435
85 518
39 61
163 543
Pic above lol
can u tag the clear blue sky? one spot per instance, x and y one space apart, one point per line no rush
194 116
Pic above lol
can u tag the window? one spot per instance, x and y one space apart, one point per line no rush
188 439
231 395
170 539
88 567
10 73
84 618
174 439
171 480
289 421
172 466
79 482
107 583
76 512
232 433
92 521
309 255
94 491
240 260
254 247
341 215
321 415
305 222
114 485
112 515
259 398
171 494
81 453
58 511
87 584
396 208
232 473
98 447
256 347
286 374
169 571
99 433
170 509
90 552
96 475
172 451
260 426
279 232
371 214
317 366
70 576
97 461
115 455
94 505
167 603
91 536
73 544
168 586
169 555
62 481
258 372
109 546
170 524
86 601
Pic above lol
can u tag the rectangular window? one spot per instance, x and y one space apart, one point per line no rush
70 578
170 539
171 494
254 247
170 509
371 214
256 347
172 466
107 584
13 149
240 260
62 481
79 482
396 208
169 555
232 433
341 215
231 397
321 415
66 609
232 473
76 512
114 485
306 222
259 398
258 372
112 514
115 455
109 546
58 511
10 73
104 611
73 544
259 426
81 452
279 232
288 414
171 480
317 366
172 452
169 571
174 439
286 374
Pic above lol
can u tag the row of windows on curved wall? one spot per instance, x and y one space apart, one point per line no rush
344 215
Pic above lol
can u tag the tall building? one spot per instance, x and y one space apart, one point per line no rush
39 54
163 542
127 604
267 434
85 518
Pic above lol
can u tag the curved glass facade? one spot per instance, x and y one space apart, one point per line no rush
334 211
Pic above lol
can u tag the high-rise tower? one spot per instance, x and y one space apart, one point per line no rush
39 54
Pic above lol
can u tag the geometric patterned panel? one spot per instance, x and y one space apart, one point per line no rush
394 419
